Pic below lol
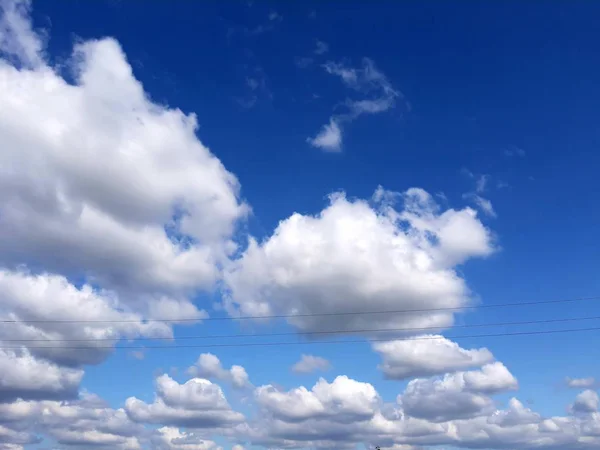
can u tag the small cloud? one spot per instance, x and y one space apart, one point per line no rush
481 183
329 138
312 14
579 383
483 204
502 185
310 363
322 48
275 16
368 80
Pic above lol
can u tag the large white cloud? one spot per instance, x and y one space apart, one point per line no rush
427 355
361 256
98 180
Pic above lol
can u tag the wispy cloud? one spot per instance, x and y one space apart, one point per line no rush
377 91
321 47
329 138
481 185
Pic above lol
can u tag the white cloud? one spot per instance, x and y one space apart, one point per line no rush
580 382
209 366
426 356
311 363
97 180
198 403
456 396
344 399
329 138
355 256
45 299
586 402
23 376
171 438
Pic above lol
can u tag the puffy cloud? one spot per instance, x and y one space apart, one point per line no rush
311 363
79 423
170 438
329 138
48 308
23 376
579 383
209 366
344 399
198 403
358 256
456 396
428 355
98 180
586 402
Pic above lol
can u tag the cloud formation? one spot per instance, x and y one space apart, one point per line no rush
359 255
378 95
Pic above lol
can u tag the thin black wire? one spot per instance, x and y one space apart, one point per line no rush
289 316
270 344
301 333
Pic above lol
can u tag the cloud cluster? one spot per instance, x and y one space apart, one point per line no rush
112 210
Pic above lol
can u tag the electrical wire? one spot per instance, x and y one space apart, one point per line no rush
270 344
289 316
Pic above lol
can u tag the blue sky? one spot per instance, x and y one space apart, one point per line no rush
463 136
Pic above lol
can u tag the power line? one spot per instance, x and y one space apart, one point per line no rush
289 316
320 332
270 344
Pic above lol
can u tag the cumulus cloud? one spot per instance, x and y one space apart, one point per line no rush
23 376
171 438
197 403
37 302
311 363
98 180
209 366
76 423
359 255
426 356
462 395
586 402
102 185
343 399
